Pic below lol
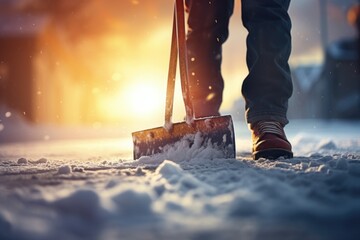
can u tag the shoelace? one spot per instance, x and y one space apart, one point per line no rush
270 127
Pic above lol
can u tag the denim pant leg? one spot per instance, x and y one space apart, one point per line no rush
268 85
208 22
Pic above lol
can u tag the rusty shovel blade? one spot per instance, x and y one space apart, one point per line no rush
219 131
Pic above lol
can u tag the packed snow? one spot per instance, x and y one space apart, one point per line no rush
92 189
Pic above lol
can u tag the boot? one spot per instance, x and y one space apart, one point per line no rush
269 141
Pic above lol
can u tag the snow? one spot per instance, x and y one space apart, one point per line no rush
90 188
65 169
184 150
22 161
39 161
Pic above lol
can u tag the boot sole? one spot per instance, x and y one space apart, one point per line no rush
272 154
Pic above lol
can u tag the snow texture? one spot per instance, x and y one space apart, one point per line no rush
65 169
90 189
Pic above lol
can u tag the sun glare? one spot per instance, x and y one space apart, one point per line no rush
144 98
137 100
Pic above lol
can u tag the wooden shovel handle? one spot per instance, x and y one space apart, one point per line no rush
178 47
184 76
171 76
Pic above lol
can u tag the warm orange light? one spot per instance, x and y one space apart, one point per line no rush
144 99
138 100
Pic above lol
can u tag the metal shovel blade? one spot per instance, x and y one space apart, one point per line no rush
219 131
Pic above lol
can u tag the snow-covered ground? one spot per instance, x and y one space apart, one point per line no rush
92 189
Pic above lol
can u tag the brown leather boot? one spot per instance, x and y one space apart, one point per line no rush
269 141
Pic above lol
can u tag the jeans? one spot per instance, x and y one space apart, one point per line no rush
268 86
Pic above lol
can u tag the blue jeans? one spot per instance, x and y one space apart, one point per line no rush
268 85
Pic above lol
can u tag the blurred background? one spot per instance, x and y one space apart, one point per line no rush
104 62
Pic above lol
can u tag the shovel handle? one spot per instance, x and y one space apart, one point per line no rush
178 49
171 76
184 76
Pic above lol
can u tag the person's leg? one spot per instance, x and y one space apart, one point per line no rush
208 22
268 85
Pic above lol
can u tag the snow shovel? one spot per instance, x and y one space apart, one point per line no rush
217 131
